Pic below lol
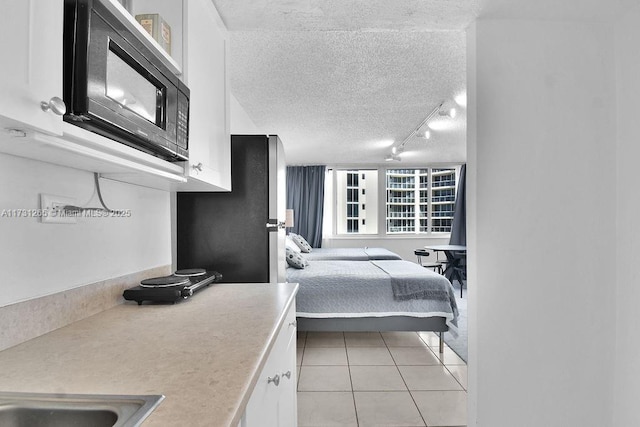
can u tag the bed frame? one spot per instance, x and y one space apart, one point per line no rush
374 324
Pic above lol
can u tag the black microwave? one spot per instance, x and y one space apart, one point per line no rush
116 86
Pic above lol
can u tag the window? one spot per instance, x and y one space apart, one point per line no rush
415 206
443 199
351 198
397 201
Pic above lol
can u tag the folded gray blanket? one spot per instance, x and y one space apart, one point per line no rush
411 281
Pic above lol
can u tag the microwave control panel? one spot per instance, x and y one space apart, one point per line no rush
182 123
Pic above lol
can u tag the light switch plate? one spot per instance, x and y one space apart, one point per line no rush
51 213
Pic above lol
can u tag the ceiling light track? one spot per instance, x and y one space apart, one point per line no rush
396 149
421 125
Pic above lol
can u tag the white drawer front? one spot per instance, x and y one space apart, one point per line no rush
273 401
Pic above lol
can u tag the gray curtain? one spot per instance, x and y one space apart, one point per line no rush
305 195
459 225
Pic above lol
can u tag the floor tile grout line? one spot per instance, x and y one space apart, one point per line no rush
399 391
379 391
392 358
437 355
353 395
406 385
301 360
386 345
442 362
456 378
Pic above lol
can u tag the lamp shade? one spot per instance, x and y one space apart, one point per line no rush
288 221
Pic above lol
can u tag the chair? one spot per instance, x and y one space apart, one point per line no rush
436 266
459 272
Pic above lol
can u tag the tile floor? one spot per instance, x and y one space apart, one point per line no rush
379 379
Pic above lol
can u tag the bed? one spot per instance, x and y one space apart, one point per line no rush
374 295
351 254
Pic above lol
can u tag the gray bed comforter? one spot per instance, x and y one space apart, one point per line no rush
350 254
347 289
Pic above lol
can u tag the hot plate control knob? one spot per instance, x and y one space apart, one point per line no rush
186 293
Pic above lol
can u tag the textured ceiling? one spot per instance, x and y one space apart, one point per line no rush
344 97
556 10
323 15
341 80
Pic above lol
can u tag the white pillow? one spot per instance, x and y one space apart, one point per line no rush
301 242
292 245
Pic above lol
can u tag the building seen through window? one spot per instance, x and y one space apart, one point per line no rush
411 201
420 200
355 189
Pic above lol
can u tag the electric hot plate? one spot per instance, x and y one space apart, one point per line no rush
171 289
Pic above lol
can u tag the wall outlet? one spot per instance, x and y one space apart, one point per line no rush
52 212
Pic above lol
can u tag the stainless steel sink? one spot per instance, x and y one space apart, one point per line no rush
75 410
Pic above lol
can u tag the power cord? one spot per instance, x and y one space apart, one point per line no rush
71 209
97 182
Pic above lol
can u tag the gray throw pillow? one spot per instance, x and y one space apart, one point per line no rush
295 259
301 242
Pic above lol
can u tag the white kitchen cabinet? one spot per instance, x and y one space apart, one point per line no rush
31 43
205 72
287 402
31 72
273 401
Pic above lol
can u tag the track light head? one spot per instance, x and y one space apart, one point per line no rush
451 113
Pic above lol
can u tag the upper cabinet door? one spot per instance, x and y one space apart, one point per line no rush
31 46
205 61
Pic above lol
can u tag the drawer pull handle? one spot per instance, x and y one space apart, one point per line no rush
294 324
275 380
287 374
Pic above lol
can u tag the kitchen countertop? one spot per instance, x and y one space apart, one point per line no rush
204 354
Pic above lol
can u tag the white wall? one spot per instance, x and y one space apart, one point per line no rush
627 349
39 259
541 277
241 123
471 181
